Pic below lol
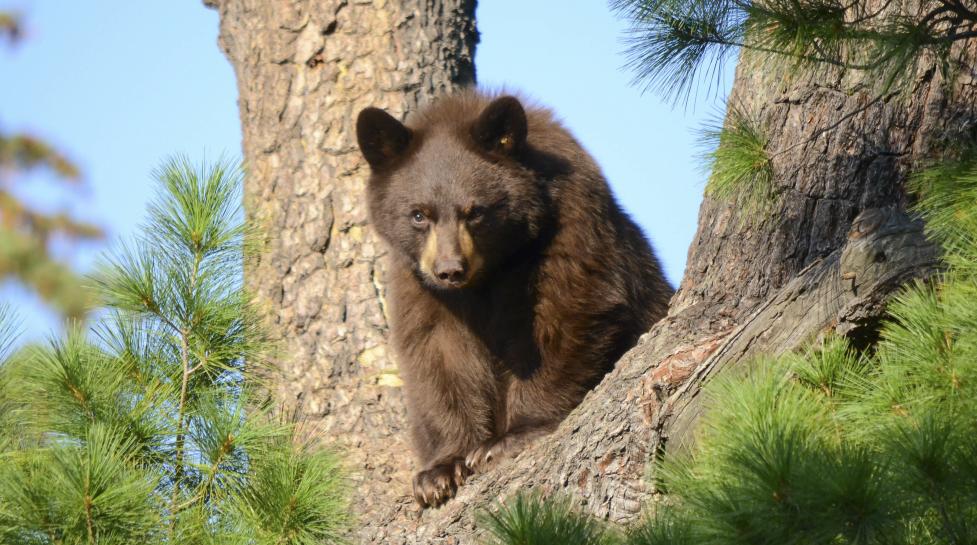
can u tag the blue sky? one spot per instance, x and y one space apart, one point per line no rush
119 85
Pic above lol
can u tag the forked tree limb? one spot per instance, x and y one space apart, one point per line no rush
599 455
834 247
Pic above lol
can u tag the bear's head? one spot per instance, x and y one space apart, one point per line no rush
451 193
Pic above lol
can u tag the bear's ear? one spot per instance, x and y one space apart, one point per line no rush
502 126
382 138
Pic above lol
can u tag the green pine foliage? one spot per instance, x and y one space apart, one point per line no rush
26 233
948 191
837 447
676 44
149 427
662 528
828 446
528 520
739 164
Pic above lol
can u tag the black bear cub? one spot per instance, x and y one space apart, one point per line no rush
516 281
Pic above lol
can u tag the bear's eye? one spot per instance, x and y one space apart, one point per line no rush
418 218
476 214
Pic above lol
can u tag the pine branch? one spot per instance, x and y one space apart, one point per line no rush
530 520
181 408
24 152
149 424
831 445
674 41
739 162
17 215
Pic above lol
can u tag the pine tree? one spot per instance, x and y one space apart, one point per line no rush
25 232
831 445
678 42
835 444
151 427
678 45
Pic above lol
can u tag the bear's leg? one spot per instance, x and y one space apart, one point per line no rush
489 453
533 408
442 433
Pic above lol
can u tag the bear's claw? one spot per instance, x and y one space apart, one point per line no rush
438 484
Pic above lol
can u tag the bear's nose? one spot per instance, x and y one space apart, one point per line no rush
450 270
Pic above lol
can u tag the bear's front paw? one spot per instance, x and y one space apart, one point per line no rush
438 484
492 451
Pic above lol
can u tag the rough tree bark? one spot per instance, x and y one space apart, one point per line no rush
304 69
838 243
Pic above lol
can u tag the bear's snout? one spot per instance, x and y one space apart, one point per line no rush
451 271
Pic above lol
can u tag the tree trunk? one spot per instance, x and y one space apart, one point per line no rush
838 243
304 71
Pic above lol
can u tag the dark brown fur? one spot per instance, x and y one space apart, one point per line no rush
516 279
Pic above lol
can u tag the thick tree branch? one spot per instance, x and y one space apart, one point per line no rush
654 396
